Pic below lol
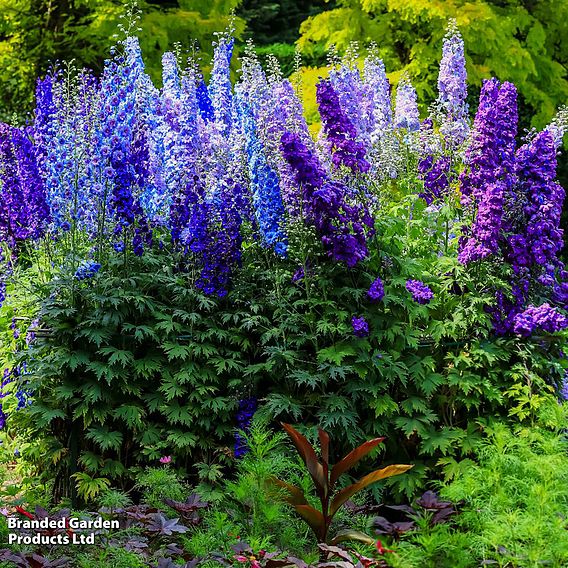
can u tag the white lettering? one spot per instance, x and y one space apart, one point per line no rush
12 522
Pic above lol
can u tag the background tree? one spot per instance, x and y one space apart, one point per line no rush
35 33
523 41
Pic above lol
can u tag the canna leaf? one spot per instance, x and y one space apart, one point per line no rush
349 534
324 444
296 495
350 490
352 458
308 454
314 519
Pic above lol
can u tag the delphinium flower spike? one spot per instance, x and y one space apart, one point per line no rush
490 174
339 130
266 196
406 109
452 88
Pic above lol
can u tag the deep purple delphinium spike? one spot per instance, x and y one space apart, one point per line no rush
309 172
376 291
339 130
223 252
406 113
245 413
343 226
489 179
452 88
24 213
420 292
360 326
436 175
536 237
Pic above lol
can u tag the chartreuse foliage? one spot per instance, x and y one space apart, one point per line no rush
514 499
526 43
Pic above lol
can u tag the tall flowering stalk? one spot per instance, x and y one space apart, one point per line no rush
491 169
339 130
535 244
406 113
220 86
245 413
221 242
24 213
452 88
353 96
435 172
378 89
265 188
343 226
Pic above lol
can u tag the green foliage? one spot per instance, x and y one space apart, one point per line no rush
159 483
276 22
110 556
264 459
136 364
515 496
255 515
89 487
514 40
36 33
113 499
124 373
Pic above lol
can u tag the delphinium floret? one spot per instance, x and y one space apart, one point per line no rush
376 291
360 326
421 293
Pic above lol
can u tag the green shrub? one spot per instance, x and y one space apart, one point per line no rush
113 499
515 500
249 508
159 483
110 556
136 363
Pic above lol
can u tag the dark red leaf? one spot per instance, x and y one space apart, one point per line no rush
309 457
352 458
